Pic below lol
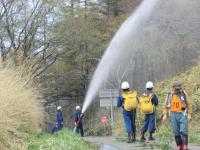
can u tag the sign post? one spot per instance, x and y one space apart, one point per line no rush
108 99
112 113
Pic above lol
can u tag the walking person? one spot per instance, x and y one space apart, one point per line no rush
177 104
59 120
128 101
148 102
78 117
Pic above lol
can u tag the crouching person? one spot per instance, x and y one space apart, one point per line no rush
177 104
148 103
128 101
78 117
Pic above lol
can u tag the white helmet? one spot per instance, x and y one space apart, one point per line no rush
149 85
59 108
78 107
125 85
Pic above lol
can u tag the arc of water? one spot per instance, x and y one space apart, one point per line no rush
116 47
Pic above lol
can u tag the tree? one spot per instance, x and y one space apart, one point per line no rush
23 33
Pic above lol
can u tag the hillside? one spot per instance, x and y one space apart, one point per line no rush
191 83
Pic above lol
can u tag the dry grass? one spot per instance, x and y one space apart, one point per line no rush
20 110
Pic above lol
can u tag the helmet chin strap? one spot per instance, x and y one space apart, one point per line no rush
149 89
177 91
126 90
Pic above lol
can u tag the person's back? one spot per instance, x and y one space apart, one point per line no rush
148 103
78 116
128 101
59 120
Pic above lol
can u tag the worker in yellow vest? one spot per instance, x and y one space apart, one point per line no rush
177 104
148 102
128 101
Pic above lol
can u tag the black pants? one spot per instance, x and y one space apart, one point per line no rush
79 130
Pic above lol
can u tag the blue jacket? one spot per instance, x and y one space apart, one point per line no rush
59 118
120 101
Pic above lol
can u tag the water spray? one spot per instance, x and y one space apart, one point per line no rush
117 46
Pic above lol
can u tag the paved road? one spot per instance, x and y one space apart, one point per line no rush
113 143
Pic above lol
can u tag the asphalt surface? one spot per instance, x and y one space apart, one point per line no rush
114 143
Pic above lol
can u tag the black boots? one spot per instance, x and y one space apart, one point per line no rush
142 136
185 142
182 142
178 141
151 137
144 139
131 138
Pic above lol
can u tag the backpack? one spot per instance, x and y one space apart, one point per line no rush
146 105
130 100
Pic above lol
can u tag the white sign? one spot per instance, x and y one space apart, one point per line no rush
109 93
108 102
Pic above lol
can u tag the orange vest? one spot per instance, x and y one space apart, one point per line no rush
176 104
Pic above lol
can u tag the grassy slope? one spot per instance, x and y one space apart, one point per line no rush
191 83
64 140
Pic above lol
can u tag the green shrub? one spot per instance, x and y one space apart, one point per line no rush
100 130
63 140
165 136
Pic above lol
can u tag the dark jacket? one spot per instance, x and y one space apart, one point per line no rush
59 118
119 101
78 117
154 100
